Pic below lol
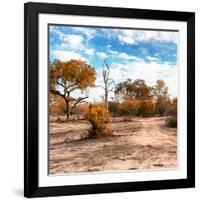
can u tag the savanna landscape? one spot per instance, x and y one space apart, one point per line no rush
101 119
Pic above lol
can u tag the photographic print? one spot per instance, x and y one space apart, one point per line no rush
109 99
113 96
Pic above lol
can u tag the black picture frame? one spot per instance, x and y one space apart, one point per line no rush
31 186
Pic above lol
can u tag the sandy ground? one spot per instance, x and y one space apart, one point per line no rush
143 143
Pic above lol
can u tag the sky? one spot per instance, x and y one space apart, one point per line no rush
136 54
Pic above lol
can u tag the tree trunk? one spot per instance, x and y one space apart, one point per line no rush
106 99
105 74
67 105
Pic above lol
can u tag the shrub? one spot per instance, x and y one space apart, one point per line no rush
114 108
172 107
146 108
99 118
172 122
129 107
58 107
81 109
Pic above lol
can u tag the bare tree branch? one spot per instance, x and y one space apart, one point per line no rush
72 85
111 79
57 82
77 102
73 89
56 92
108 70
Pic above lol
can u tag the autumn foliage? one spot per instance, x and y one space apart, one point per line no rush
66 77
131 97
136 98
98 116
58 107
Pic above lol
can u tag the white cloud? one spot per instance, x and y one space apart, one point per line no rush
125 56
150 72
58 32
152 58
89 52
77 40
96 94
73 41
134 36
66 55
52 28
89 32
126 39
102 55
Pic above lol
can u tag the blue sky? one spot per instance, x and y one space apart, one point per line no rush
144 54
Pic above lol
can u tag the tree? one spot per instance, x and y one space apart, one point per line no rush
137 89
66 77
146 108
124 88
161 96
172 110
140 90
136 97
130 105
108 83
172 107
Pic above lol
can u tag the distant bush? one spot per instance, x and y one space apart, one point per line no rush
99 118
172 122
114 107
81 109
146 108
58 107
172 107
129 107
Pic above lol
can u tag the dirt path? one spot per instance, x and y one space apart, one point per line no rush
143 143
